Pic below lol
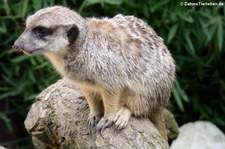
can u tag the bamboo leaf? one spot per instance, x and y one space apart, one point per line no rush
3 28
172 33
87 3
181 92
7 122
178 99
20 59
25 8
190 47
220 35
12 92
158 5
37 4
186 17
113 2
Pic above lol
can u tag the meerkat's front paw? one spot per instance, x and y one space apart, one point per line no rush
104 123
93 121
122 118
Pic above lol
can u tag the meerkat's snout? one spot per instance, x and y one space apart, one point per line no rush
19 46
27 43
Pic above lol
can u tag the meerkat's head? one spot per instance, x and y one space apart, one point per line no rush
51 29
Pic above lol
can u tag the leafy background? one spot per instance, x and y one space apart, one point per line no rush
194 35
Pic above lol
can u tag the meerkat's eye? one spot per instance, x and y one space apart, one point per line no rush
41 31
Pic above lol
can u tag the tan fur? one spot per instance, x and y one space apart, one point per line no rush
57 61
121 65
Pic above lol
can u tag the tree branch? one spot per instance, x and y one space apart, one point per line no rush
58 119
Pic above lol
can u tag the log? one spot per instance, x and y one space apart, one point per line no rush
58 119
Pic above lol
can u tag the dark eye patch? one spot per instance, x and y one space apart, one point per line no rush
41 31
72 34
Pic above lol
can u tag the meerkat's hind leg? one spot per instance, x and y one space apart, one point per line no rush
122 118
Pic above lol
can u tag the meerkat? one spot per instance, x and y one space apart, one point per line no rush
121 65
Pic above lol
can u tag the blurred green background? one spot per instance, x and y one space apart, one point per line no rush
194 35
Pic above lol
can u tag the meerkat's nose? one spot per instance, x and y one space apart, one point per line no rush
17 44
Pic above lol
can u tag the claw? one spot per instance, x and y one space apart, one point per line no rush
122 118
103 124
93 121
121 122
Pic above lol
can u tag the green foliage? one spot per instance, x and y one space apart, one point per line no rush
4 117
194 35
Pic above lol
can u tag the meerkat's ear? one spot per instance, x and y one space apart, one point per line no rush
72 33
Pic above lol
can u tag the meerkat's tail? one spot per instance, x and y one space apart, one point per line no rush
158 120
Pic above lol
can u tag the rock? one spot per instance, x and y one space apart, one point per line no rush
199 135
58 119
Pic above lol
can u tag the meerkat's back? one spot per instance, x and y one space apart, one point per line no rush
136 47
127 31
